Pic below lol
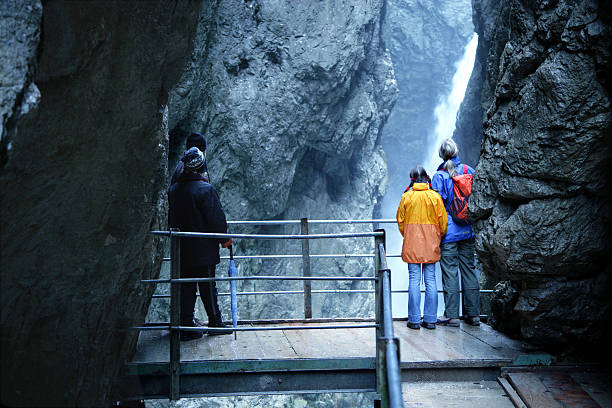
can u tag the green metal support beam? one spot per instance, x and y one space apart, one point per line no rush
250 377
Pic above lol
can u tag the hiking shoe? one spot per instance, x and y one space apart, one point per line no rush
447 321
473 320
414 326
191 335
220 325
430 326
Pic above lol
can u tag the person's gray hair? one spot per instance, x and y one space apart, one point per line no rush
448 149
450 168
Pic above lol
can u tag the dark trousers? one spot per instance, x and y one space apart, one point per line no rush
208 294
457 264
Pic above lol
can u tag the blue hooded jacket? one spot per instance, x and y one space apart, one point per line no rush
443 183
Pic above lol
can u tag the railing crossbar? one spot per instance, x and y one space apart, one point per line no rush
297 222
290 278
301 292
298 256
264 328
265 236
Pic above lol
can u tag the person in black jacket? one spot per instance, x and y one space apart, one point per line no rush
193 140
195 207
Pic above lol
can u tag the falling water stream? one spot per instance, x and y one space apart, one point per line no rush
446 116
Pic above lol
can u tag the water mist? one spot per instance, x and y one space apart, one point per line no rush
446 115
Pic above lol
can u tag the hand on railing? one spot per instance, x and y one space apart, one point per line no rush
228 243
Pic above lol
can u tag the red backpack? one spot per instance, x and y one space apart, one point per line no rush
462 188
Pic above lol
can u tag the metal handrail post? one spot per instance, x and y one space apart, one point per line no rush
393 375
175 315
381 387
392 379
306 270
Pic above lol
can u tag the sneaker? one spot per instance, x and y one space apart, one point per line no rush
446 321
473 320
414 326
430 326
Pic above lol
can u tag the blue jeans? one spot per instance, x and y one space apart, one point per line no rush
430 314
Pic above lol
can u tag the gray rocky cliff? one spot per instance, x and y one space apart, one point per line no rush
425 39
292 99
83 177
542 186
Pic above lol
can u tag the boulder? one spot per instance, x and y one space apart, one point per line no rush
541 193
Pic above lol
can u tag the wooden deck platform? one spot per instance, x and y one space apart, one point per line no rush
314 361
445 344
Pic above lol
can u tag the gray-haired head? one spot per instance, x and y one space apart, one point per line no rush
448 149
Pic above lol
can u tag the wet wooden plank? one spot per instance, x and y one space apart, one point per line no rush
330 343
274 345
153 346
355 342
419 345
504 345
197 349
532 391
466 346
454 394
567 391
442 344
596 384
225 347
511 392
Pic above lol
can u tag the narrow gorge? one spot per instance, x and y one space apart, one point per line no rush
309 110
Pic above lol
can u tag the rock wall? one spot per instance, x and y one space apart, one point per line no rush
425 39
291 99
542 187
83 177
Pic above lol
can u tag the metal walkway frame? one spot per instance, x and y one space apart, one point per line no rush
178 379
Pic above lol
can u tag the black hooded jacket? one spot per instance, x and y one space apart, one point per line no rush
195 207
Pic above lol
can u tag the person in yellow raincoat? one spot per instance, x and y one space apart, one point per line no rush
422 221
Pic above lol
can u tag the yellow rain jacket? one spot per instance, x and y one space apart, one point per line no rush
422 221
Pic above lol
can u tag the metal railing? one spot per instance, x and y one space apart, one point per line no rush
387 350
388 377
307 292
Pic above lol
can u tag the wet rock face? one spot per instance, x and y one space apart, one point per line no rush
273 83
425 39
542 187
19 37
83 180
291 98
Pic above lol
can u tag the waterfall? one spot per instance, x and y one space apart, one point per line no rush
446 111
446 116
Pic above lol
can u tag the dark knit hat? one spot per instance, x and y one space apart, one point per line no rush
193 159
196 140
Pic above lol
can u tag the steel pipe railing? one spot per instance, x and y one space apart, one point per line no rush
381 312
389 377
264 236
257 277
298 256
301 292
267 328
285 292
297 222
